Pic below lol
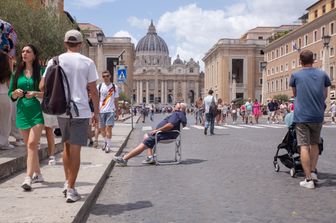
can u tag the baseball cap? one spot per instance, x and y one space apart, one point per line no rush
73 36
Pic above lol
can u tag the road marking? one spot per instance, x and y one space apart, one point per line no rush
272 126
147 128
253 126
220 127
186 128
197 127
235 126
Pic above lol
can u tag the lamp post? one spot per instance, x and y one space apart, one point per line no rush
325 64
100 39
234 87
263 65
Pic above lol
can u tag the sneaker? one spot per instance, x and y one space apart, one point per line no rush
37 178
95 144
7 147
119 160
26 185
205 131
314 177
107 149
104 147
149 160
18 143
72 195
307 184
90 144
52 160
65 188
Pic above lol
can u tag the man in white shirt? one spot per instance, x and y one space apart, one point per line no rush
81 73
108 108
209 117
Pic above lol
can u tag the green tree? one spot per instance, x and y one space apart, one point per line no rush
123 97
281 97
36 25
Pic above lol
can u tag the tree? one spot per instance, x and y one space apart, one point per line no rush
37 25
281 97
123 97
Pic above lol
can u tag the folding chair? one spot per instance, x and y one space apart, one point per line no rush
178 149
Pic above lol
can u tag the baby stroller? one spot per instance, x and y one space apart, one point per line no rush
291 159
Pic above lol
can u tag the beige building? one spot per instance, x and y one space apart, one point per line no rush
233 66
157 80
108 53
282 54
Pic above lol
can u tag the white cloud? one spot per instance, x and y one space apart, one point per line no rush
138 23
123 33
89 3
196 30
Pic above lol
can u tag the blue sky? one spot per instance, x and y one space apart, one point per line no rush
190 28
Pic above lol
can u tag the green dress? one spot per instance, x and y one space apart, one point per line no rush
29 111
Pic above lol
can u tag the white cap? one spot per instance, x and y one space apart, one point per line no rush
73 36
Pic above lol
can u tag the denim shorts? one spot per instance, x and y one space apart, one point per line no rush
308 133
106 119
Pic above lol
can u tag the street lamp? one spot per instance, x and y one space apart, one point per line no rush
100 39
325 63
263 65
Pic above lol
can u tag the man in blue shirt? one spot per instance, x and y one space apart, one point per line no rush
310 88
172 122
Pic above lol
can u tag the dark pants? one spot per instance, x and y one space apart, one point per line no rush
210 122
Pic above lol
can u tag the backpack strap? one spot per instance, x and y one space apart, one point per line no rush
69 100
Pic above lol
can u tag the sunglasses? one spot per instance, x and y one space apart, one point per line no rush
106 76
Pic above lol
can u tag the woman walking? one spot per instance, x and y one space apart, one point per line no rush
24 87
256 110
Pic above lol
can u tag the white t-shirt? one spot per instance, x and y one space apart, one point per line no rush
107 97
207 101
80 70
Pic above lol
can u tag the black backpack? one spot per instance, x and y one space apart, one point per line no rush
54 100
213 107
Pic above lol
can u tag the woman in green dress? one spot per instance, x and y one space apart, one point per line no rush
24 88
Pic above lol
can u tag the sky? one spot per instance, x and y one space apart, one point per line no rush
190 28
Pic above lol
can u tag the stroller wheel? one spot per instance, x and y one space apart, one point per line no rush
292 172
276 167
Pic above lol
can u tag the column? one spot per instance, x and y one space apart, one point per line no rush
138 92
197 91
174 91
147 92
165 92
156 91
184 92
140 95
162 91
100 59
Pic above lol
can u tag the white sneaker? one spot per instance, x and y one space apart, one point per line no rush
314 177
72 195
26 185
52 160
307 184
107 149
37 178
65 188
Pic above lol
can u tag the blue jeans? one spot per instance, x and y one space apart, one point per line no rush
210 120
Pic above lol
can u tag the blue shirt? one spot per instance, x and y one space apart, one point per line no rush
310 84
177 118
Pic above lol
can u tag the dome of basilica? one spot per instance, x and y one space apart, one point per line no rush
152 42
178 60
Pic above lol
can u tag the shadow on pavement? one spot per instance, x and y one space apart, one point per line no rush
116 209
191 161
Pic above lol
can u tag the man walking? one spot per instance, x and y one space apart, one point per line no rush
310 88
209 116
108 108
81 73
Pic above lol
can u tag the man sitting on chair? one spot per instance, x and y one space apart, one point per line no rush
172 122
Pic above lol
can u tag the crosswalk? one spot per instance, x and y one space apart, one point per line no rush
238 126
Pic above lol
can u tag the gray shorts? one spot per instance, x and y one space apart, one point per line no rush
74 131
308 133
106 119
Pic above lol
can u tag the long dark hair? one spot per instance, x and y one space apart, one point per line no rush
5 71
36 68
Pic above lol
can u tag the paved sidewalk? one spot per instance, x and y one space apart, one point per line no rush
46 203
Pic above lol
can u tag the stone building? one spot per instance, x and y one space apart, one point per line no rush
157 80
233 66
282 54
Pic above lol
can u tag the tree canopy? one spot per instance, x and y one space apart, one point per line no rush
40 26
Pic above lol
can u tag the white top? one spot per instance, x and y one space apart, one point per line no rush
80 70
207 101
107 97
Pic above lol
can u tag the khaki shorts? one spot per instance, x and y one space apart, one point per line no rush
74 131
308 133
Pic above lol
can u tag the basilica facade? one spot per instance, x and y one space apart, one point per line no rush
158 81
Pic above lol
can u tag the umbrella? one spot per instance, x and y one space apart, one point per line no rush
8 38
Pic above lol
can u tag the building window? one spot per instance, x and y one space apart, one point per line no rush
277 53
281 68
272 90
276 85
268 72
287 84
315 56
286 48
322 31
293 64
281 51
323 9
305 42
268 87
332 4
332 28
286 67
272 55
260 81
316 13
331 74
315 35
260 37
332 52
281 84
272 70
300 43
191 70
277 69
